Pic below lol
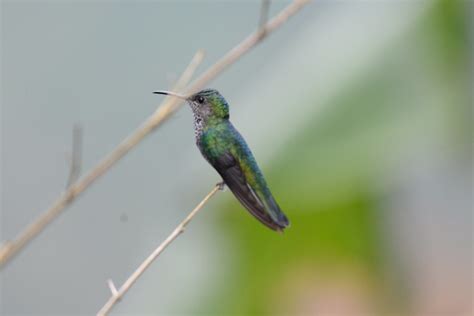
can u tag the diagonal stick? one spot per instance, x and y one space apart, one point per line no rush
118 294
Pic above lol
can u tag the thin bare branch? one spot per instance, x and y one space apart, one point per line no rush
118 294
76 155
168 107
264 9
10 248
112 287
243 47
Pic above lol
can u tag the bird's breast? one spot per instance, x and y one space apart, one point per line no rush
198 127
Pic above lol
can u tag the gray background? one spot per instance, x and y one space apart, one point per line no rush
96 63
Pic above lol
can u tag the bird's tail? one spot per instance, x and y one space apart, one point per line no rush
276 214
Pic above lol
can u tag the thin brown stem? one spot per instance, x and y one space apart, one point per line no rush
76 155
243 47
264 9
118 294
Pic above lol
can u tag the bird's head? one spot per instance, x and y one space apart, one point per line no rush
206 104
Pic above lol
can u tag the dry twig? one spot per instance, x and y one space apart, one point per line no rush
168 107
264 15
76 155
118 294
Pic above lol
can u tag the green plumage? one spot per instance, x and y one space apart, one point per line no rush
221 138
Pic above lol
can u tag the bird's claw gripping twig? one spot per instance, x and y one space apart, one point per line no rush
221 185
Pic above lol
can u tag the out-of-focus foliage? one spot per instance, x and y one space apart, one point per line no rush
327 180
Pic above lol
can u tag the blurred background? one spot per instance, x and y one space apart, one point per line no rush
358 112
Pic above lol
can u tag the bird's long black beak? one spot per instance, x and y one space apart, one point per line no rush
171 93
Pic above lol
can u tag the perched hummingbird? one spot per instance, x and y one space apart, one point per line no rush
225 149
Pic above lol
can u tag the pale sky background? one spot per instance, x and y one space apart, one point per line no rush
96 63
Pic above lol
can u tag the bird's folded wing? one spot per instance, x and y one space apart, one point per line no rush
233 176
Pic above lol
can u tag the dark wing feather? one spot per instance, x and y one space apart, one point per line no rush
234 178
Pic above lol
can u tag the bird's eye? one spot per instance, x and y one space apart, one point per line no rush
200 100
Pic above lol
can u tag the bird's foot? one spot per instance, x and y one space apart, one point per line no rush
221 185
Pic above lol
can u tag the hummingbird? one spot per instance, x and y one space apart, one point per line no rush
226 150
